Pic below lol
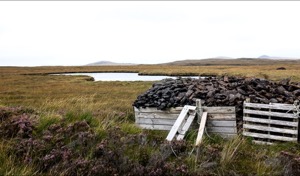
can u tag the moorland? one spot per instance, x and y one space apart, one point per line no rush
71 125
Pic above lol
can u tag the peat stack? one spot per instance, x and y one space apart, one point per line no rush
220 91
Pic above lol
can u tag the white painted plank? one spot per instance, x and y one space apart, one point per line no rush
221 116
186 126
222 129
271 129
155 121
267 113
221 123
268 121
177 123
201 128
266 136
155 127
286 107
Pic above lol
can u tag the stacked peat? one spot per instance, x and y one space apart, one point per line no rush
222 91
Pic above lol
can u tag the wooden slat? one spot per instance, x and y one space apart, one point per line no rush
266 113
219 110
177 123
219 116
274 122
155 121
286 107
221 123
266 136
155 127
201 128
185 127
158 115
210 110
222 129
271 129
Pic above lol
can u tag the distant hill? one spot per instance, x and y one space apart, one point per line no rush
239 61
108 63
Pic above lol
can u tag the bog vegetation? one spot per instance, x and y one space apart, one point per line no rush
66 125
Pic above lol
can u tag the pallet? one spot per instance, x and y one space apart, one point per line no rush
269 123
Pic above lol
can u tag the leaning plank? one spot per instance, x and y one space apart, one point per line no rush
266 113
155 127
177 123
201 128
268 121
186 126
271 129
270 106
155 121
222 129
267 136
221 123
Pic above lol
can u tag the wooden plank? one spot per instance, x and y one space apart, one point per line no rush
177 123
220 123
155 121
271 129
274 122
158 115
210 110
287 107
262 142
222 129
219 116
186 127
201 128
266 113
266 136
219 110
155 127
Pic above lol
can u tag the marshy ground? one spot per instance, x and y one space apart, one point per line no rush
96 120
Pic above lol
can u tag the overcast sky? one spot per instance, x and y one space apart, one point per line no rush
78 32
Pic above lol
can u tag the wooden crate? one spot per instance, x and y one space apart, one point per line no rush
268 123
221 120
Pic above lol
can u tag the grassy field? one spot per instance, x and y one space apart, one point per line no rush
104 109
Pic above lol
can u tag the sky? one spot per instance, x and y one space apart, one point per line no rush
145 32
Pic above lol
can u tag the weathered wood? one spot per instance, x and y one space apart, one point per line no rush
271 129
157 115
221 129
186 126
155 127
177 110
274 122
266 136
220 123
226 135
177 124
221 116
201 128
265 113
155 121
286 107
199 110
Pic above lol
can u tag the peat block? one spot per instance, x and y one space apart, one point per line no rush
218 91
